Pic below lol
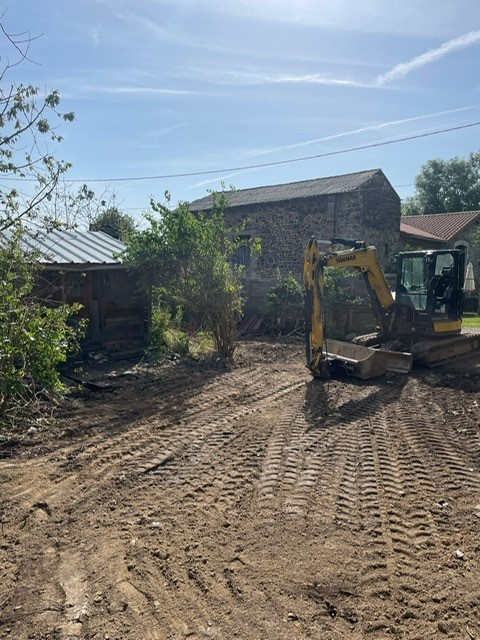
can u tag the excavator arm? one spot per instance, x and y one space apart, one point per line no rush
363 260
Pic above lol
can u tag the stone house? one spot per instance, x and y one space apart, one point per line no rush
362 206
444 231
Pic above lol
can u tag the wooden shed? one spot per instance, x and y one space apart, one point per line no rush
86 267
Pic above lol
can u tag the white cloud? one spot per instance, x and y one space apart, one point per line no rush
246 78
316 78
219 179
139 90
438 18
399 71
375 127
166 130
381 81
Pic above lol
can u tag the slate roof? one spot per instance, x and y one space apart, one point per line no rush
73 247
438 226
291 190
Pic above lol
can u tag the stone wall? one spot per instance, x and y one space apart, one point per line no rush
473 252
381 218
371 214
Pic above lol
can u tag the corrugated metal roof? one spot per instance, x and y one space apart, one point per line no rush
291 190
444 226
73 247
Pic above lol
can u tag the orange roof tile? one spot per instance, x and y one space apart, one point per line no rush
413 231
438 226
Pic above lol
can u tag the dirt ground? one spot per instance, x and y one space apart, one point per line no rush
248 502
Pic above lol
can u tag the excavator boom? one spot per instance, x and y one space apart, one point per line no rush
324 354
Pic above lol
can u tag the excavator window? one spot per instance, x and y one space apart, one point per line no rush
442 282
430 282
412 289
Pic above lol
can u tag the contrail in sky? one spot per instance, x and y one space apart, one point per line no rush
401 70
373 127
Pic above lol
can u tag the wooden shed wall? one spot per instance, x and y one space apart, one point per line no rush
117 313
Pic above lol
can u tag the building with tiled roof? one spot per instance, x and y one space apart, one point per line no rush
458 230
444 230
361 205
443 226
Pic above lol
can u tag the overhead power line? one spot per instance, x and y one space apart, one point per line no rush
267 164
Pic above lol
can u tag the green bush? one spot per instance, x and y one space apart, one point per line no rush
338 294
34 338
178 342
187 257
160 322
285 303
337 285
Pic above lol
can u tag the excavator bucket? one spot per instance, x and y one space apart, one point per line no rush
365 362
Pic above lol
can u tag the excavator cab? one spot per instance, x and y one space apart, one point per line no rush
429 293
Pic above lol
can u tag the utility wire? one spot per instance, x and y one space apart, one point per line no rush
266 164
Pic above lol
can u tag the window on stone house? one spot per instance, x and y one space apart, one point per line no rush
242 256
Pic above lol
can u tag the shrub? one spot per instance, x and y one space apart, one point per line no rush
338 294
337 285
285 303
115 223
186 257
34 338
160 321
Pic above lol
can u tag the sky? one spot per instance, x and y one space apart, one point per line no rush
165 87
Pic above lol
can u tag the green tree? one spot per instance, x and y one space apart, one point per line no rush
34 338
115 223
25 123
187 257
444 186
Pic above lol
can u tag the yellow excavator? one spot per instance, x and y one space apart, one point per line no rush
421 322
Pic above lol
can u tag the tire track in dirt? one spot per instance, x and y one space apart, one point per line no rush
374 478
300 448
436 447
187 401
192 443
187 428
264 509
400 477
104 452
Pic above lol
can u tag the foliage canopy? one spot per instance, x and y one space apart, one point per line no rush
25 126
115 223
285 302
34 338
444 186
187 257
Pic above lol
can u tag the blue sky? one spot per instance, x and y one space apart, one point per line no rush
175 86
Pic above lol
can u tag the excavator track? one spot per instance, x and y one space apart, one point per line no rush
433 353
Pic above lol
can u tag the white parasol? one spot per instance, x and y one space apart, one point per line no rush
469 280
